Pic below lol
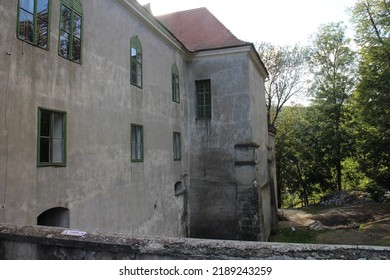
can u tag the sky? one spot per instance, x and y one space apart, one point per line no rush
280 22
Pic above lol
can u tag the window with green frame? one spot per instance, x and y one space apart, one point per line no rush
135 62
70 35
203 99
176 146
33 22
137 143
51 138
175 84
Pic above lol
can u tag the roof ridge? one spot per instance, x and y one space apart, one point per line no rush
183 11
199 29
227 29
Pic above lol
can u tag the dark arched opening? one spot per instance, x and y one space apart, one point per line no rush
54 217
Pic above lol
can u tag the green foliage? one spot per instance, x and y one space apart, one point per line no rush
377 192
372 21
333 66
342 140
286 70
371 101
297 235
353 177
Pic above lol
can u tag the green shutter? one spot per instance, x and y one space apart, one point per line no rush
75 5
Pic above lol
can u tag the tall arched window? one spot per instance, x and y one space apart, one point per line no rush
70 37
175 84
135 62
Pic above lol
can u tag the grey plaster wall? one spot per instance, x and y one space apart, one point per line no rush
101 188
228 151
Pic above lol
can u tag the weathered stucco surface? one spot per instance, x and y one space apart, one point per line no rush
101 187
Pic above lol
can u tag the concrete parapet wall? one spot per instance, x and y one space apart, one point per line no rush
45 243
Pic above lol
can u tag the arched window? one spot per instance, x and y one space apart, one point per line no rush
54 217
70 38
175 84
179 188
33 22
135 62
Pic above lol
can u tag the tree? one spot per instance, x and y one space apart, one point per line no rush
371 100
332 64
285 66
372 22
301 171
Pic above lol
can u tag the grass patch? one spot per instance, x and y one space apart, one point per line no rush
299 235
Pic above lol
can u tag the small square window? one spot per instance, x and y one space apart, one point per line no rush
137 143
51 138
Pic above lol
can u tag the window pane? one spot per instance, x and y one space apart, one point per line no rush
77 26
176 146
133 53
139 134
43 9
133 72
133 142
76 51
65 19
136 143
139 81
139 151
26 29
44 148
58 125
42 31
58 151
27 5
64 44
139 57
45 123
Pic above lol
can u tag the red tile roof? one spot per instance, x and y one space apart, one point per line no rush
199 29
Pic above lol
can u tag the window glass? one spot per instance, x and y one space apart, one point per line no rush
44 150
45 123
43 8
26 26
203 99
51 138
176 146
64 44
135 62
27 5
70 37
136 143
175 84
65 19
33 24
77 26
42 32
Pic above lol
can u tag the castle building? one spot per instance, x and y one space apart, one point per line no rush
114 120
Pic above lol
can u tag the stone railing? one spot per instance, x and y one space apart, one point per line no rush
45 243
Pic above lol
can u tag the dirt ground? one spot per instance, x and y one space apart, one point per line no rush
355 224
